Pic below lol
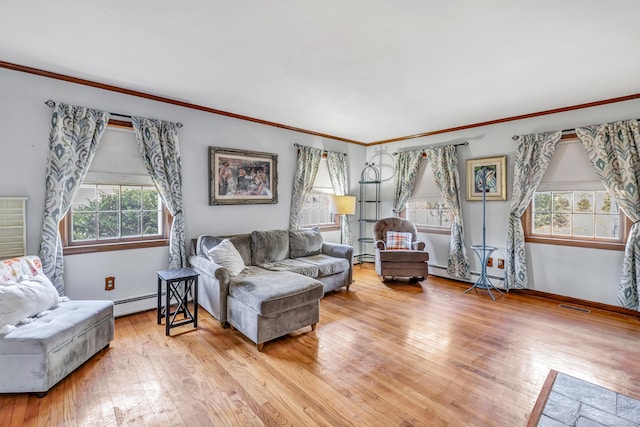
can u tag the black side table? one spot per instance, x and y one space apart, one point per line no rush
180 283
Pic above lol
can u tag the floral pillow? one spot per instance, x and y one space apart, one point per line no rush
397 240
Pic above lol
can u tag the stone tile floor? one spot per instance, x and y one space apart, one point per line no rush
574 402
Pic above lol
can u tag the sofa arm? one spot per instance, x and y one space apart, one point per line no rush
380 244
213 286
340 251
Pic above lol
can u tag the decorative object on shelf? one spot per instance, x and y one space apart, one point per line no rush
495 170
483 251
369 211
240 177
343 206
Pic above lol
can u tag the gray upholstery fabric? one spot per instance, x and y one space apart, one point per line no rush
269 246
326 265
400 263
37 355
274 292
293 265
305 242
242 243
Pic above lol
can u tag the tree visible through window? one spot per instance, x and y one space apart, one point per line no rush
576 214
115 212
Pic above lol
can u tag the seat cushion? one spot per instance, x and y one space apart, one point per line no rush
293 265
274 292
58 327
327 265
403 256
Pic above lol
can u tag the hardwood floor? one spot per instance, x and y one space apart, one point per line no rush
382 355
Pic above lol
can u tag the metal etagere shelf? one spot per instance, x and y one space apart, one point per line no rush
369 204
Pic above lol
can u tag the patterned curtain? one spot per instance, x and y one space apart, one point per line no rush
532 159
404 177
159 147
306 170
73 139
614 152
338 173
444 163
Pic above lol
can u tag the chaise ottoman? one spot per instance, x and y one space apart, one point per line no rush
269 305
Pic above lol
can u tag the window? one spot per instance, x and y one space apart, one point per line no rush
117 205
426 207
317 208
571 206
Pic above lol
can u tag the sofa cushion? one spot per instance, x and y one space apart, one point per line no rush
271 292
327 265
226 255
56 328
269 246
242 242
293 265
24 298
305 242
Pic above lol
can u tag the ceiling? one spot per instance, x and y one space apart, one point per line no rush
364 70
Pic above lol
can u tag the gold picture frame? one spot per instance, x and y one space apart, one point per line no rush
242 177
496 178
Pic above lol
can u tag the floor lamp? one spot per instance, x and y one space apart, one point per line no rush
343 205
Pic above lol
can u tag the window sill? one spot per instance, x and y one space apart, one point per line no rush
615 246
434 230
107 247
323 228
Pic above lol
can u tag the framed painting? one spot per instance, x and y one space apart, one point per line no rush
241 177
491 171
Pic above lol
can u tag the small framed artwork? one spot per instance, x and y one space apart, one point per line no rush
241 177
487 174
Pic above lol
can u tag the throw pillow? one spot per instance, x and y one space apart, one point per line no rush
269 246
305 242
398 240
25 298
227 256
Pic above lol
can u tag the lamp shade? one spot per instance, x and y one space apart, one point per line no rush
343 205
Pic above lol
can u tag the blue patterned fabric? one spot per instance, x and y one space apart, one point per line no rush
160 150
613 151
73 139
405 174
532 159
338 174
444 163
307 167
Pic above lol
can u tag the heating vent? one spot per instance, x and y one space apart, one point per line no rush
571 307
13 233
134 299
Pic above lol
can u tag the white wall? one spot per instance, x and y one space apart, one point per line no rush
24 132
589 274
24 126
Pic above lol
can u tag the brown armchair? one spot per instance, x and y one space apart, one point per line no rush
412 261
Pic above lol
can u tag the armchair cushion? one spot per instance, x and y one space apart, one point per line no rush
398 240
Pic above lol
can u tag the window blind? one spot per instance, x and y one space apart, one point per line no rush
570 169
13 233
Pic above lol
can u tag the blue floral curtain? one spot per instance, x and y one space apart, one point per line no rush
444 163
405 174
532 159
306 170
338 174
159 147
614 153
73 138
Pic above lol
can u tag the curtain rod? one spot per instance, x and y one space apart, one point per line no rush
52 104
323 151
443 144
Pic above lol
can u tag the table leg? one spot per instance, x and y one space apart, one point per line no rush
168 308
159 300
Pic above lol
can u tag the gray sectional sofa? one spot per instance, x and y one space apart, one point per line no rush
278 285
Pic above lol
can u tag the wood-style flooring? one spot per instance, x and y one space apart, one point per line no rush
383 355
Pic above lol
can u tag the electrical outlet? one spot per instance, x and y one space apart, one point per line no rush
109 283
500 263
490 262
